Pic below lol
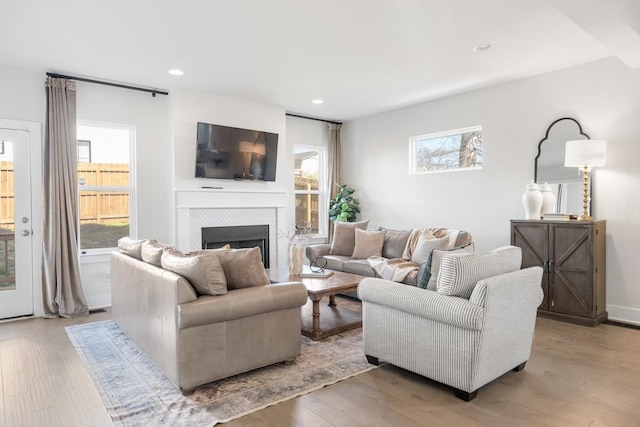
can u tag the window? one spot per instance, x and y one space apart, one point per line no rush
459 149
310 188
84 151
1 147
105 178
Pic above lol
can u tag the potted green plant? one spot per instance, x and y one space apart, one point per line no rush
344 207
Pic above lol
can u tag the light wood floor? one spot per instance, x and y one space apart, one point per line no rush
577 376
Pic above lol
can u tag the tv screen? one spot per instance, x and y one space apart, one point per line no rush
225 152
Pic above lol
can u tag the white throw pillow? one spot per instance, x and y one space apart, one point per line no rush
427 242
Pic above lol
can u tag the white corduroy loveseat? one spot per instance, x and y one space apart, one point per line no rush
477 325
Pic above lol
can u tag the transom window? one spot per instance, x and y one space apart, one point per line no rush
459 149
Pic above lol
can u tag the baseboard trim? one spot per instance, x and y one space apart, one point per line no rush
626 315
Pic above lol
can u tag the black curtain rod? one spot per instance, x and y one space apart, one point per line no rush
153 92
313 118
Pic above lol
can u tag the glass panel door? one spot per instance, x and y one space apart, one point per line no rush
16 287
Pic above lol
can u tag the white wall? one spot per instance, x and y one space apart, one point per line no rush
153 178
602 96
307 132
191 107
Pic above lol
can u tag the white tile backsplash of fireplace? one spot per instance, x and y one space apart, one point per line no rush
198 208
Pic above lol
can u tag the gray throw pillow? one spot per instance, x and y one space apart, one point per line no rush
459 273
394 243
203 271
344 237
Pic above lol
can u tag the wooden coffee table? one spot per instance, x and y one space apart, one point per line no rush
320 321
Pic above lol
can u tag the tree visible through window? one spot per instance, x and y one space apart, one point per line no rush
446 151
105 184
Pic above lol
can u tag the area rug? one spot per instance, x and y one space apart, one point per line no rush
136 393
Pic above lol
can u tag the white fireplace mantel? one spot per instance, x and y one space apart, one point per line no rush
205 207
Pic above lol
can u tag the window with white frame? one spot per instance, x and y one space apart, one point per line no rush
459 149
310 188
106 184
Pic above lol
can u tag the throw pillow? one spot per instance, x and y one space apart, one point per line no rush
203 271
368 243
427 242
459 273
131 247
430 277
344 237
152 252
243 268
394 243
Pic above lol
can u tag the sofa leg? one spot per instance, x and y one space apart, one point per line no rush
520 367
465 395
187 391
372 360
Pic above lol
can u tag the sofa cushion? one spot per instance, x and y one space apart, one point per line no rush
459 273
368 243
203 271
429 277
243 268
152 252
335 262
131 247
394 243
358 266
344 237
427 242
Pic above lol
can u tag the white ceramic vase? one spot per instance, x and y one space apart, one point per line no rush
548 199
532 201
296 259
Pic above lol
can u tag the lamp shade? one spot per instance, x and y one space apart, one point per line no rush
585 152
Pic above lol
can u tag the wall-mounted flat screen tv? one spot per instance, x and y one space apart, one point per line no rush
232 153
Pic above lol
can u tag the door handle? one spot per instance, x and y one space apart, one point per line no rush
25 232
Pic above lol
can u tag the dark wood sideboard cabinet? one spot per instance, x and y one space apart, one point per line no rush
573 256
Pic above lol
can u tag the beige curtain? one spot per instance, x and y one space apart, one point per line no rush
62 289
335 164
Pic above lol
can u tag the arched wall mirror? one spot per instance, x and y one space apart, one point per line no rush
549 166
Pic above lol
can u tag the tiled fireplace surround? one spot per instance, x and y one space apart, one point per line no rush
199 208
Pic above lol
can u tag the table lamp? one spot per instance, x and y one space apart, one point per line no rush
585 154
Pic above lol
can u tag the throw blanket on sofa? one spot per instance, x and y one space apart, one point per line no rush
397 269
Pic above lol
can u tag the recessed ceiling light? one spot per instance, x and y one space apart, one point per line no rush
482 47
176 72
318 101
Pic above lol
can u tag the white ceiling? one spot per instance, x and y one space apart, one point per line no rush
361 56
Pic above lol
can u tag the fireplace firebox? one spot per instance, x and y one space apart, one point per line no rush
241 236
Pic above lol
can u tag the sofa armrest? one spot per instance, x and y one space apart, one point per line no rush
317 251
421 302
240 303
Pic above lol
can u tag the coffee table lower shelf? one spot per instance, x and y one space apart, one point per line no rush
333 320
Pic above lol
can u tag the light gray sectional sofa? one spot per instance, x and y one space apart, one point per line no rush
342 253
196 338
